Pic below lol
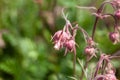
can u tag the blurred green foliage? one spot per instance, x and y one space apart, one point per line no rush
26 26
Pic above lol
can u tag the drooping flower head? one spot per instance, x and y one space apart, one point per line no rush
117 13
110 77
65 38
114 37
106 68
70 44
90 51
59 38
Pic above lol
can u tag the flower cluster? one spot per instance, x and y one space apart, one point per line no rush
115 35
65 38
105 69
91 48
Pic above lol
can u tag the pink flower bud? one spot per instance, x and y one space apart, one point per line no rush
90 42
70 44
89 51
114 37
59 38
117 13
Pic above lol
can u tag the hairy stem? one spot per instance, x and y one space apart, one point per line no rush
83 70
85 67
74 63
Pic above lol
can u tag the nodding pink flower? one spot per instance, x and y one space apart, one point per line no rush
70 44
106 77
110 77
59 39
114 37
90 51
117 13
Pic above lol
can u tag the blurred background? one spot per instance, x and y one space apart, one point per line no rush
26 27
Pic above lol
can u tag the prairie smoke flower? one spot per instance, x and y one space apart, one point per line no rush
63 39
110 77
59 39
70 44
90 51
66 38
106 77
114 37
117 14
108 70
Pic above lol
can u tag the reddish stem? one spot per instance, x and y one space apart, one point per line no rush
98 65
94 27
96 20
